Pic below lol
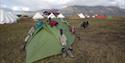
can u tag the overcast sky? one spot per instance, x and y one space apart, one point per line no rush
43 4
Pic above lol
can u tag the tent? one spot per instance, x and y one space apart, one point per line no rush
7 17
101 17
14 15
38 16
81 15
60 16
45 42
93 16
87 16
51 16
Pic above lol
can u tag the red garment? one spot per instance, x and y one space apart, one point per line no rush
101 17
53 23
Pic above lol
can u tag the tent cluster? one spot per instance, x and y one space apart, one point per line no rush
40 16
7 17
44 41
83 16
94 16
103 17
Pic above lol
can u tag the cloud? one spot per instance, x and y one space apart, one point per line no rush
43 4
16 8
120 3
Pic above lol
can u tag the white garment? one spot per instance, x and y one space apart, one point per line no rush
63 40
30 33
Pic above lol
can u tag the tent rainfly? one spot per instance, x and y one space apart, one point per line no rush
38 16
7 17
51 16
60 16
45 42
81 15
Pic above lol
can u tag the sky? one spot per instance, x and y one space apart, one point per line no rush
27 5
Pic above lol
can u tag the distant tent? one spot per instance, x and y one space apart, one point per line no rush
46 42
60 16
93 16
96 14
51 16
87 16
81 15
7 17
101 17
38 16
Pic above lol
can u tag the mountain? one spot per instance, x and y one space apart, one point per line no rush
91 10
74 10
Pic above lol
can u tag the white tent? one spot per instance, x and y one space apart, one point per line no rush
7 17
60 16
51 16
87 16
93 16
38 16
14 15
81 15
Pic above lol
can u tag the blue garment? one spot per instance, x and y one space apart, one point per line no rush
38 25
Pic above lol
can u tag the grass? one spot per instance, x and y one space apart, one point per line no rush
102 42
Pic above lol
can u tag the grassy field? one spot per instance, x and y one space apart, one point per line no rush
102 42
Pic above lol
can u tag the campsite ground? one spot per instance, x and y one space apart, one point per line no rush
102 42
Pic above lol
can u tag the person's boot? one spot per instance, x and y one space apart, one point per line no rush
70 48
70 53
64 54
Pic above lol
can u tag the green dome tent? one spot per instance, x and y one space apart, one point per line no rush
45 42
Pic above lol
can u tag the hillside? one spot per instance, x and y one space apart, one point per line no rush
101 10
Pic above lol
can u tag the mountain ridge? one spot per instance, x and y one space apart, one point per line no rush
91 10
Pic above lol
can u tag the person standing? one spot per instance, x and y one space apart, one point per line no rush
65 50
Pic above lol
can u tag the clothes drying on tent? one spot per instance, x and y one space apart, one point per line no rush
7 17
53 23
38 25
46 42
